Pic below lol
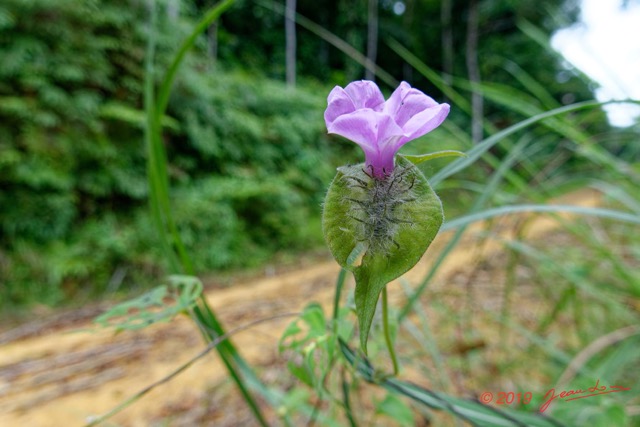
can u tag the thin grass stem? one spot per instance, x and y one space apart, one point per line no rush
212 345
387 331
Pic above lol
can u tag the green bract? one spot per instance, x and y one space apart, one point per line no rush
379 229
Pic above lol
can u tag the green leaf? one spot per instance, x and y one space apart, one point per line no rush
417 159
133 116
388 224
301 372
316 326
393 407
160 304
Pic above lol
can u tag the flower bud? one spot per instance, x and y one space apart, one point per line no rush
386 223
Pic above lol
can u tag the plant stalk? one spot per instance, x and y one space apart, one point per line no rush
387 331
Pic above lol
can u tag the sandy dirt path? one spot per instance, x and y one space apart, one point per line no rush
62 377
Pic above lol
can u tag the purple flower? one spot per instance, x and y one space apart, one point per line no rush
359 113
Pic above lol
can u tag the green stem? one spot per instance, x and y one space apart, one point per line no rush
212 330
345 399
387 332
167 82
336 299
153 177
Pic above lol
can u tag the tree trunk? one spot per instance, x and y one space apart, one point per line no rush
212 36
407 21
477 104
372 38
447 41
290 35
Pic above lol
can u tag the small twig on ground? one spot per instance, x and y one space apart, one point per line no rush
594 348
212 345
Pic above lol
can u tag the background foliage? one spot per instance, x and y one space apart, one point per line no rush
248 156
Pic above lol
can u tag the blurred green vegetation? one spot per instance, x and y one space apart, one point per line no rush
249 157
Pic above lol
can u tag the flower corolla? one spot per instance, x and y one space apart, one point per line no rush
360 113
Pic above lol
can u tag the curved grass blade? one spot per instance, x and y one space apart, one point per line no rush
483 198
417 159
471 411
478 150
506 210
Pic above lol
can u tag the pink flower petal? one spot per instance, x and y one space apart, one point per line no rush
405 102
366 128
359 113
424 122
365 94
338 103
